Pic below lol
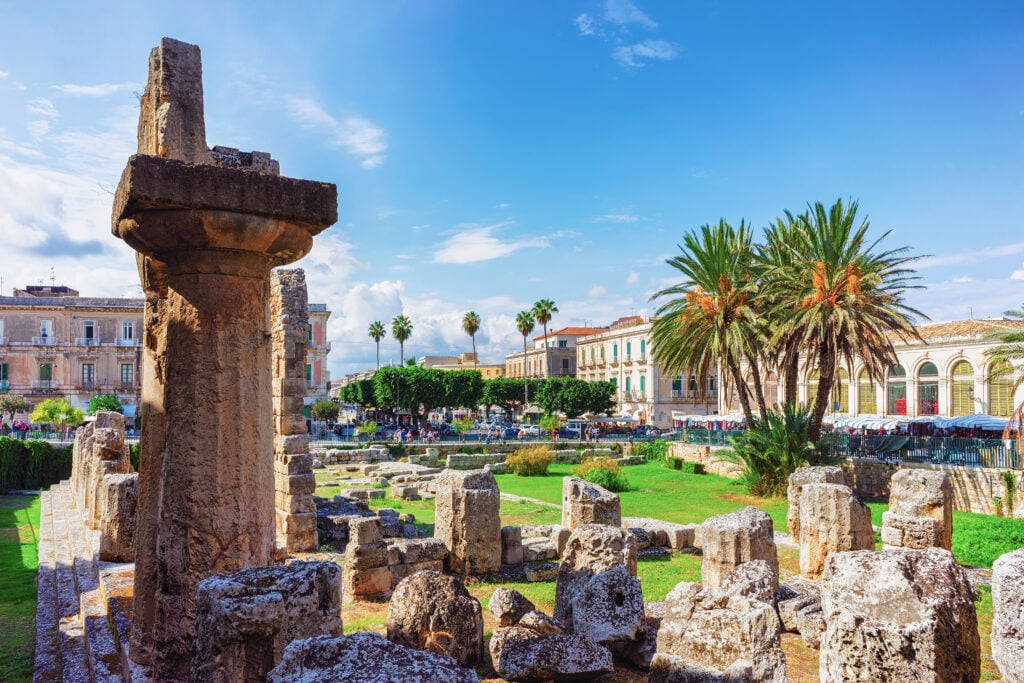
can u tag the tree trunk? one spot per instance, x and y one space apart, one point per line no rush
826 378
741 386
755 370
526 382
791 368
378 355
475 362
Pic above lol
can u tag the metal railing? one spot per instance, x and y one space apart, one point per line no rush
42 341
708 437
87 341
933 450
121 341
44 384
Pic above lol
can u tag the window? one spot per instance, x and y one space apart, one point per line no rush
812 386
677 386
45 332
771 389
309 335
565 365
627 384
563 343
963 389
127 331
88 329
643 384
928 389
643 349
1 331
602 354
897 393
841 391
1000 390
4 381
46 372
127 374
309 374
629 350
88 374
865 394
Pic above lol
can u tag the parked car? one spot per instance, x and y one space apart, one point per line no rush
568 433
509 433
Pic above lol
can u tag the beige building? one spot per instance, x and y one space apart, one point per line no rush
551 356
464 361
621 354
57 344
946 375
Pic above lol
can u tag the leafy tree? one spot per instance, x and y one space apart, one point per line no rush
11 404
541 312
601 398
324 410
548 423
401 330
107 402
506 392
709 317
462 388
462 426
367 429
1008 361
567 395
57 412
471 325
377 332
359 392
841 297
524 323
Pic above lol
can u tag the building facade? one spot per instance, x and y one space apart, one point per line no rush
57 344
947 374
553 355
464 361
621 354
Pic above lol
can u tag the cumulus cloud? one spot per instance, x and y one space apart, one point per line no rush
478 243
632 278
597 291
637 55
586 24
98 90
1018 274
356 135
624 12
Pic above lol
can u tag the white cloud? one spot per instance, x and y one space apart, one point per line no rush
1018 274
504 205
586 24
4 74
963 279
623 12
98 90
41 106
478 243
637 55
38 128
597 291
632 278
356 135
700 173
1010 249
620 217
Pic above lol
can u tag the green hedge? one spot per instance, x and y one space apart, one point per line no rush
32 464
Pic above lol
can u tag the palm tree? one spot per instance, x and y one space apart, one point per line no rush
471 325
709 318
1007 359
541 312
774 258
524 323
401 329
841 297
377 332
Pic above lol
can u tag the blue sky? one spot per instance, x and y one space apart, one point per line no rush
490 154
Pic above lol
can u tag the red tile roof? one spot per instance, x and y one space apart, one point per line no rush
577 331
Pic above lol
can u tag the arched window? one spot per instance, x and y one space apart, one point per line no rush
1000 390
628 383
812 385
865 394
771 389
963 389
615 353
928 389
643 385
643 349
897 394
841 391
629 350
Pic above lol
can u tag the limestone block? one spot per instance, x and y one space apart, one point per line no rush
298 463
800 477
592 549
291 504
716 635
898 615
299 484
755 580
586 503
245 620
916 533
508 606
118 496
921 493
559 538
1008 615
667 668
467 519
365 530
541 572
511 545
411 551
538 550
291 444
367 584
832 520
434 611
728 541
800 610
518 654
540 624
359 557
400 571
609 608
367 658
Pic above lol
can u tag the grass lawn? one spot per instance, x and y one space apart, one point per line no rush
19 557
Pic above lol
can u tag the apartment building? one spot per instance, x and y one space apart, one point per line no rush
318 375
464 361
621 354
553 355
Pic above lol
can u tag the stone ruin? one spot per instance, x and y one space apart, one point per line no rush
796 481
294 484
208 227
103 485
727 541
587 503
832 520
920 513
466 519
374 566
1008 615
898 615
248 618
433 611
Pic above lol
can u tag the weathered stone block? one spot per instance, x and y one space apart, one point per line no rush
467 519
728 541
592 549
508 606
926 494
364 530
1008 615
431 610
291 444
832 520
118 494
367 584
800 477
587 503
511 546
518 654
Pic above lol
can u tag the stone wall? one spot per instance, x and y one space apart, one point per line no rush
293 471
973 487
705 455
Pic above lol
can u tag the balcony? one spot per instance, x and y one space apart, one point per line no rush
642 358
87 341
125 387
615 361
129 343
43 341
628 360
44 384
5 385
87 385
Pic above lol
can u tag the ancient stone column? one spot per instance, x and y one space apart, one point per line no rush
209 226
728 541
293 465
1008 615
466 519
587 503
920 513
832 520
800 477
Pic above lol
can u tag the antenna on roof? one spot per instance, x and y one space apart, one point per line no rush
971 308
53 278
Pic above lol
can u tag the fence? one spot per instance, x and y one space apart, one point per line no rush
935 450
707 437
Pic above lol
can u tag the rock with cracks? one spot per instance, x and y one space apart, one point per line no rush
434 611
508 606
832 520
592 549
898 615
587 503
466 519
1008 615
518 654
366 658
920 513
800 477
727 541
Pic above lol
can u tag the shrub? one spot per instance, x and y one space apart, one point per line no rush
530 462
133 455
650 450
604 472
688 467
32 464
1010 482
770 450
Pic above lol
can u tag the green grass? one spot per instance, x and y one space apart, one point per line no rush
19 557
